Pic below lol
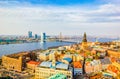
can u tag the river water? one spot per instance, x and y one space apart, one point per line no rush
15 48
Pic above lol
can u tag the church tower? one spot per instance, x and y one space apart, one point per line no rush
84 41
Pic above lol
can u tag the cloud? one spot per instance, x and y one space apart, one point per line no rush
58 17
104 13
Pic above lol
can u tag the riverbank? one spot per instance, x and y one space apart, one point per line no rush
7 43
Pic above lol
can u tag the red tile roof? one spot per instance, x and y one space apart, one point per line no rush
33 62
113 68
77 65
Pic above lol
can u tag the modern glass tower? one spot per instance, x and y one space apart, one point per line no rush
43 37
30 34
36 36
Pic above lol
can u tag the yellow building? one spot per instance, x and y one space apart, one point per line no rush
113 53
77 57
44 56
52 55
32 65
46 69
12 63
15 61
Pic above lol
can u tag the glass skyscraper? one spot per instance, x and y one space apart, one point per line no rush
30 34
43 37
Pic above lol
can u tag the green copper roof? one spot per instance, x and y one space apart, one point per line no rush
58 76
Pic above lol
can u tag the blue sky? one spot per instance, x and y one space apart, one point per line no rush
71 17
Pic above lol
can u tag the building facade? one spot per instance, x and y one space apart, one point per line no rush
44 73
12 63
30 34
16 61
47 69
32 65
36 36
44 56
43 37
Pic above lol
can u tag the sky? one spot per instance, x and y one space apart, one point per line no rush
71 17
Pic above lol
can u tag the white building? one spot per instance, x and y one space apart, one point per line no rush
47 69
43 37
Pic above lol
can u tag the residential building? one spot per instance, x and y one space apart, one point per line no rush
32 65
44 56
76 57
113 53
96 65
77 68
105 63
47 69
52 55
88 67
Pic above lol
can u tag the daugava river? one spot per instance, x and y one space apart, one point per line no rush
15 48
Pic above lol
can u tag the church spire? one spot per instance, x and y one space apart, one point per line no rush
84 37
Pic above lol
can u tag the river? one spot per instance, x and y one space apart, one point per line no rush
15 48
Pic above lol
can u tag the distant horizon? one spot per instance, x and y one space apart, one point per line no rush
80 35
71 17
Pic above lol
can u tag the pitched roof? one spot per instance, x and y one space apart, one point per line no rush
112 68
46 64
77 65
62 66
105 61
68 59
33 62
59 65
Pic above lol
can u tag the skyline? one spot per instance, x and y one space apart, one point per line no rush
54 16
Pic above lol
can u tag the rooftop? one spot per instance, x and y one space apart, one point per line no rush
33 62
68 59
46 64
105 61
46 53
17 55
59 65
95 62
62 66
77 65
58 76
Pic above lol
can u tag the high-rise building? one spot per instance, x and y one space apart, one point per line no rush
60 36
36 36
30 34
43 37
